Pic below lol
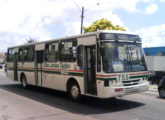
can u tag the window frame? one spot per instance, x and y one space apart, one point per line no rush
8 55
99 57
45 54
60 50
78 62
27 57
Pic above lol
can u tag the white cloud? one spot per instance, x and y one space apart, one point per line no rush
46 19
9 39
153 36
152 8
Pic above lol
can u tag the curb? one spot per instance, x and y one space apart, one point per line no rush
153 88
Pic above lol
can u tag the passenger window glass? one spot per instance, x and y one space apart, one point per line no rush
51 52
68 51
98 58
23 54
30 54
80 56
11 55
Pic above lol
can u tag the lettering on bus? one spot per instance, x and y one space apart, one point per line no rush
64 68
51 65
122 77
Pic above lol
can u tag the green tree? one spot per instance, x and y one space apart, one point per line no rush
2 58
102 24
31 40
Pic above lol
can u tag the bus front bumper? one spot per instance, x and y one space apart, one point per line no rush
110 92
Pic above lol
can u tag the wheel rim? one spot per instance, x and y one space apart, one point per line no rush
75 91
162 93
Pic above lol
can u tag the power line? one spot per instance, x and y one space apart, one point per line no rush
77 5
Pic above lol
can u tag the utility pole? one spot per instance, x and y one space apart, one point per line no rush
82 18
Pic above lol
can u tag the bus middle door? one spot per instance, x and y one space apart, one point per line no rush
15 66
38 67
89 67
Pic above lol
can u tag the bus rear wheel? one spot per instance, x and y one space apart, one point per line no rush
24 82
74 91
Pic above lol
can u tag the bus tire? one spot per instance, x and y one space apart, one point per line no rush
162 93
24 82
74 91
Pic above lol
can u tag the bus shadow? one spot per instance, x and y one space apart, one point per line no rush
60 100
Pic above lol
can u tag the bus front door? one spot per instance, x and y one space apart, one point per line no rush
15 66
89 69
38 67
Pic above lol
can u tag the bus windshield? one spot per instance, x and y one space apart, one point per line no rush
122 57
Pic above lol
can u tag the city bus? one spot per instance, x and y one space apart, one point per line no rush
103 64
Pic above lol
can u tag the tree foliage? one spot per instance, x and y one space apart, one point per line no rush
102 24
31 40
2 58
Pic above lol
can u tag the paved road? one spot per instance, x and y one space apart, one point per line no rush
36 103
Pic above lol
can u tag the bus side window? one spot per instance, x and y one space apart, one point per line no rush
48 53
98 59
54 52
30 54
80 56
68 50
10 56
23 54
51 52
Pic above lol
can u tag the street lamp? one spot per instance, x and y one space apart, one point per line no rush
82 18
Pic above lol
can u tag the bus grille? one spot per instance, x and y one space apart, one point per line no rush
131 82
131 90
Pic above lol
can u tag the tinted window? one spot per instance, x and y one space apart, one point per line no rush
51 52
123 57
98 59
80 56
30 54
23 54
10 55
68 50
117 36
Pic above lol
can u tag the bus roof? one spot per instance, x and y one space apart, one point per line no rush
76 36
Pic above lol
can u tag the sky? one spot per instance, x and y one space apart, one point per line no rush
49 19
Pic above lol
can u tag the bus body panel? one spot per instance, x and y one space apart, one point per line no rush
109 92
27 69
57 74
100 88
87 41
92 82
10 70
135 83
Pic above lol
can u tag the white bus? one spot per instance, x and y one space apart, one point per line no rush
101 64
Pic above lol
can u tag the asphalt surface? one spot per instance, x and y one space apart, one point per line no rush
37 103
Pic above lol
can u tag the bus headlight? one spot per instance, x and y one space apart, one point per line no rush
142 80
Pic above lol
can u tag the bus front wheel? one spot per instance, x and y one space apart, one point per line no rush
162 93
74 91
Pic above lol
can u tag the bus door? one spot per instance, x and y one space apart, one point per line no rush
89 69
38 67
15 66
